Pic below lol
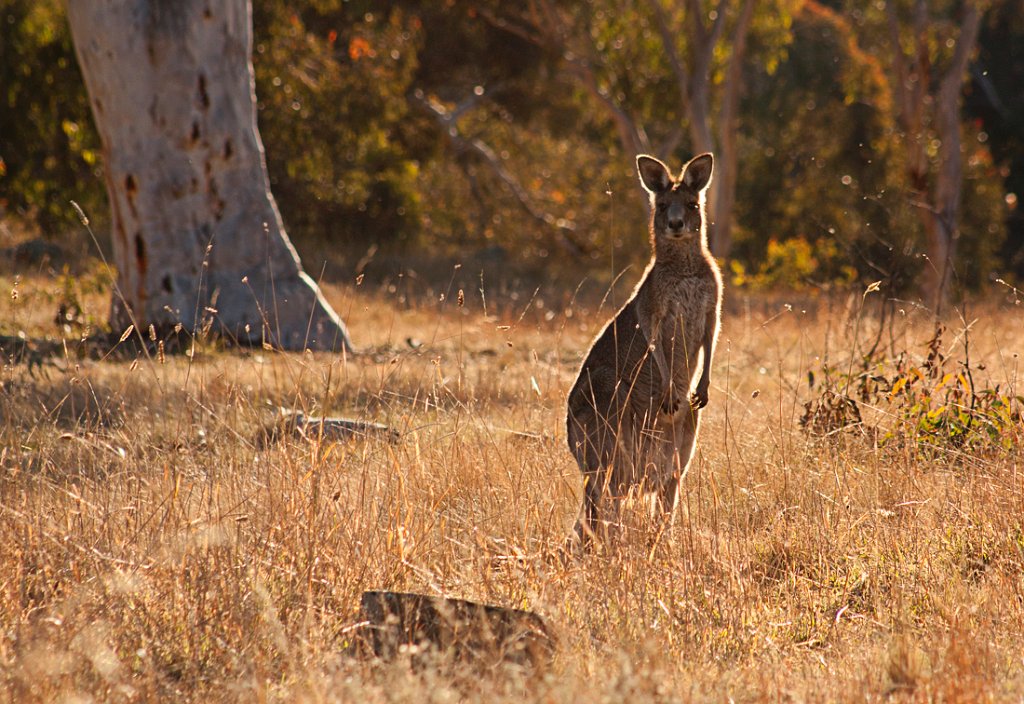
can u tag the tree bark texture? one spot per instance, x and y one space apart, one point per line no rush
196 233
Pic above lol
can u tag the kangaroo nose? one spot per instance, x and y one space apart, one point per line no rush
675 223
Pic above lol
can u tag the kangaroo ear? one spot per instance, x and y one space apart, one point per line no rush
697 172
654 175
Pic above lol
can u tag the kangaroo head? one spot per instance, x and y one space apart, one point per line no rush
677 210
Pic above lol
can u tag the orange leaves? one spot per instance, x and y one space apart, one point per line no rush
359 47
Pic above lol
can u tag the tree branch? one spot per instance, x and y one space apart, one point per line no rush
669 44
506 26
734 73
483 151
922 86
694 11
703 53
547 30
970 26
718 25
671 142
631 136
899 63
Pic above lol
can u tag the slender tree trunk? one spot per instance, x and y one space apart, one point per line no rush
943 220
695 101
728 157
698 113
918 108
196 232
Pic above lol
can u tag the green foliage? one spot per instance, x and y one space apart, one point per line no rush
930 404
356 159
795 264
73 318
331 82
936 404
819 164
827 161
49 151
982 224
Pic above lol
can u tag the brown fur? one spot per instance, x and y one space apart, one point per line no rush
632 421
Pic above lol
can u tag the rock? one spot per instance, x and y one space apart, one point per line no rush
396 622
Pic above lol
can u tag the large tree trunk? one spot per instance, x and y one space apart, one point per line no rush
196 232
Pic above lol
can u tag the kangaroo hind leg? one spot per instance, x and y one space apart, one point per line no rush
592 441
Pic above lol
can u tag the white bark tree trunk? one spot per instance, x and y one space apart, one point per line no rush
196 232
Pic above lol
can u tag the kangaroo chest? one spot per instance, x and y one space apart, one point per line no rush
683 327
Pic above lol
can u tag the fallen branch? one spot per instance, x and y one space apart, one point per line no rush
298 424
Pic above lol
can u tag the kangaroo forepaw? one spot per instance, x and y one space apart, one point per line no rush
699 398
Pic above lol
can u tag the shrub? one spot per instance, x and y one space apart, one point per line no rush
929 403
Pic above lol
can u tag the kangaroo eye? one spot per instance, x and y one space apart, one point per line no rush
662 207
693 206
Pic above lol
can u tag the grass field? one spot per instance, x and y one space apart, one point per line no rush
152 548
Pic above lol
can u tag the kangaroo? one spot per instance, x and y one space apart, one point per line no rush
631 419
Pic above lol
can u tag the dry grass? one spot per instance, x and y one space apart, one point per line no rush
153 550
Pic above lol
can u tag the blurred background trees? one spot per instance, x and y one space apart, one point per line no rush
49 151
506 131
